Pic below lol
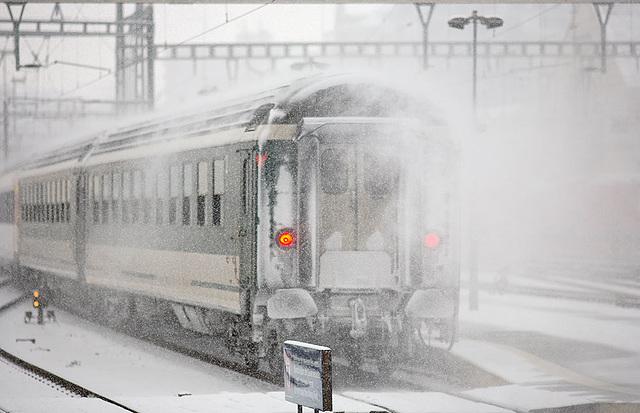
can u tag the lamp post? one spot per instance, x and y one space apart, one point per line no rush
459 23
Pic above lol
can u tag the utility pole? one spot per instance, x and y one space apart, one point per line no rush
459 23
5 128
425 20
603 20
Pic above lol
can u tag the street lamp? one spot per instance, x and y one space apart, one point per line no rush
459 23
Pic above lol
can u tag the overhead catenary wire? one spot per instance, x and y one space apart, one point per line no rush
502 32
227 21
102 77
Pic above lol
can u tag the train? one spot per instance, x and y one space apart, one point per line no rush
324 210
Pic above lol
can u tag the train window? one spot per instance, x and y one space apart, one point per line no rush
27 203
381 174
67 199
6 207
174 191
53 200
97 193
117 185
56 201
25 191
32 202
23 206
107 182
334 172
126 196
245 186
161 195
50 201
187 190
117 189
137 194
218 176
203 186
42 202
62 188
149 188
47 200
218 190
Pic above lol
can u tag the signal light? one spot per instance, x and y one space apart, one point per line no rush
260 160
431 240
285 238
36 300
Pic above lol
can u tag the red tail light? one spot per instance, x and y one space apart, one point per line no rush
432 240
285 238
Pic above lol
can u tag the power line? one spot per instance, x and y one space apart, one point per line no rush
219 26
527 20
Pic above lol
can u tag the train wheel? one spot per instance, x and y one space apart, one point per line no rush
251 357
117 309
354 355
274 356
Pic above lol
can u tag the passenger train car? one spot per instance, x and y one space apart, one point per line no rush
324 210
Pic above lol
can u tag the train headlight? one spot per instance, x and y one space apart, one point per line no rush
285 238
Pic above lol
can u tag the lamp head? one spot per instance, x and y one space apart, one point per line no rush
491 22
458 22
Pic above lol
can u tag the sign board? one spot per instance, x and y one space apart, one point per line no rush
307 375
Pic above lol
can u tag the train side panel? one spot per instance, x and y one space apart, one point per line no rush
8 232
175 225
47 225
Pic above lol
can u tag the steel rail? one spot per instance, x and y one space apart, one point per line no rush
59 381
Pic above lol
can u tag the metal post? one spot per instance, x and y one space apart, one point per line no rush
120 55
474 17
473 247
425 30
151 56
603 32
5 128
16 30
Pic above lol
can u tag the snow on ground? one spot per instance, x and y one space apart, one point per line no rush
159 380
591 350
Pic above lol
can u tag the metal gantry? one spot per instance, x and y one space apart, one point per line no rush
381 50
135 54
136 51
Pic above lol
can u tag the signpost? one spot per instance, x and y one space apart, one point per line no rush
307 375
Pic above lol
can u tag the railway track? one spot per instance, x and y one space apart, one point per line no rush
432 377
607 284
9 297
448 375
61 384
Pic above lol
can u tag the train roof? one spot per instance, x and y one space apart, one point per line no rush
316 96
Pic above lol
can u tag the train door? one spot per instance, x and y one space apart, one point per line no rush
358 225
80 224
246 232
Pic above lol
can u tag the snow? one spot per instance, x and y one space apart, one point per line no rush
156 379
524 399
424 403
